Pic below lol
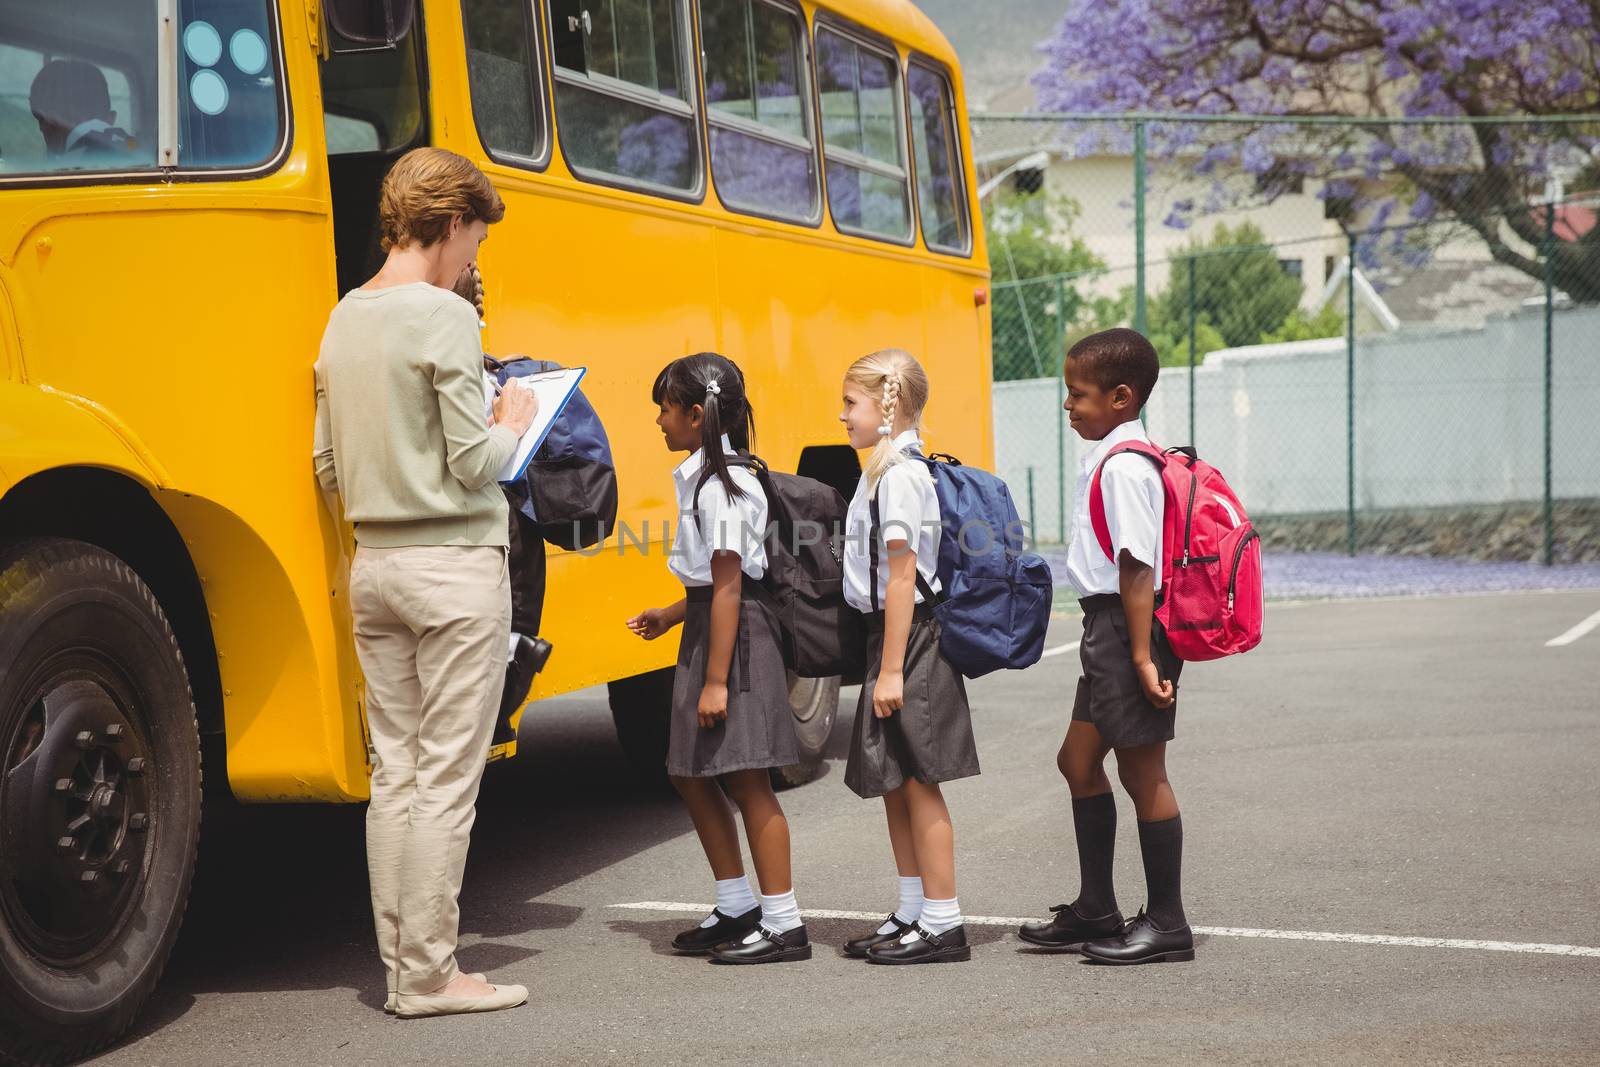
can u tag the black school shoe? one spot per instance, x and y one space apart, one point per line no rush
1067 930
948 947
529 659
858 948
1143 942
770 947
701 940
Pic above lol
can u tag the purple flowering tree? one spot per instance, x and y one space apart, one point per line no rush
1389 58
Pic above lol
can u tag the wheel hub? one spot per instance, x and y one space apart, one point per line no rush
75 816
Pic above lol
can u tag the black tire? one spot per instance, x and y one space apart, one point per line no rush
641 708
97 727
815 702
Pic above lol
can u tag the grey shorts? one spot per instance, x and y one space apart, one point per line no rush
1109 695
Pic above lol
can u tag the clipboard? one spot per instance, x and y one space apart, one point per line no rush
554 390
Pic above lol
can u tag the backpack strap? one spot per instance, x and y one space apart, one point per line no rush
1097 500
749 461
749 586
928 595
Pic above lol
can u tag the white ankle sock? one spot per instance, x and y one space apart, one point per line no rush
940 915
910 903
511 653
780 913
734 898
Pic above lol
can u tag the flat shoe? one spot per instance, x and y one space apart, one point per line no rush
389 1005
948 947
700 940
1067 930
1142 941
857 949
770 947
423 1005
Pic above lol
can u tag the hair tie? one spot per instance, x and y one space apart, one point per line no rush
885 430
713 387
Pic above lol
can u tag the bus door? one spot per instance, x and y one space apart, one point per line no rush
374 111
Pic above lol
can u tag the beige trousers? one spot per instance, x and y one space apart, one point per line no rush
431 629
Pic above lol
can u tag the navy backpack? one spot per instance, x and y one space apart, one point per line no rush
570 487
994 604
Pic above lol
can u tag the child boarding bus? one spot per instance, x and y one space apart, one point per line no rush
187 187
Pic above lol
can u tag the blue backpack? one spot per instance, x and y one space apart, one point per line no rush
994 605
570 487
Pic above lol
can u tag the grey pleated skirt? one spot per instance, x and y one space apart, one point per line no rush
930 737
759 730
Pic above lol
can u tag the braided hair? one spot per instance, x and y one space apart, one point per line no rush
901 385
469 287
716 384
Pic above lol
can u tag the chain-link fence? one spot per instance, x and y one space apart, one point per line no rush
1383 333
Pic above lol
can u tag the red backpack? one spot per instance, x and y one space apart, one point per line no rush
1211 556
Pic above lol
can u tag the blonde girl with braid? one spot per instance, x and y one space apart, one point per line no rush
913 730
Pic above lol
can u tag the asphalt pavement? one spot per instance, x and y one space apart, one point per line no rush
1421 774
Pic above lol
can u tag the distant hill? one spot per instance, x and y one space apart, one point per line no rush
995 40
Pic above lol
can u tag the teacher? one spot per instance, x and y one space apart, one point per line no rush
402 438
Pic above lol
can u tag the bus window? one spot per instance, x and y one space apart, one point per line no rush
861 131
623 108
78 86
941 182
372 99
763 157
508 112
229 113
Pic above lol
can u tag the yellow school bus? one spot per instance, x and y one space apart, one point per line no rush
186 187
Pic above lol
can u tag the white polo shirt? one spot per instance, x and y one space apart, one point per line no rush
908 509
724 524
1134 501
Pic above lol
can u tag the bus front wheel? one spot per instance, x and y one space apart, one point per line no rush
99 798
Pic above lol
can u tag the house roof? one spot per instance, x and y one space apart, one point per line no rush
1459 292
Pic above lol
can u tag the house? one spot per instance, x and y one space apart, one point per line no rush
1092 163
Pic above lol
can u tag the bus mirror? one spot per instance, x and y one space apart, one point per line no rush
367 24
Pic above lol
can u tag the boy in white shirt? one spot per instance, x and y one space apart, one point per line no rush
1127 697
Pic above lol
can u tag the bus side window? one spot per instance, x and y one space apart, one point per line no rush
941 180
229 103
868 191
78 87
763 151
505 103
624 110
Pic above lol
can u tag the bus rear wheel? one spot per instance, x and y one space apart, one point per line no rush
815 703
99 798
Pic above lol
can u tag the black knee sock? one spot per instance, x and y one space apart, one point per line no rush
1162 845
1095 820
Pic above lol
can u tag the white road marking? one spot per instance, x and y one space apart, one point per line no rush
1213 931
1591 623
1060 650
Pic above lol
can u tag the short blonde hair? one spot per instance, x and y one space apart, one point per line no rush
426 189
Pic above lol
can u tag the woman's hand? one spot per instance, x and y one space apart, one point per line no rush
888 694
515 407
651 623
713 704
